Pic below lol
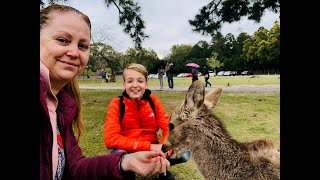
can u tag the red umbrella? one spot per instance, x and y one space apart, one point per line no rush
193 65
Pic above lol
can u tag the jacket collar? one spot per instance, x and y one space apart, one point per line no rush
66 104
145 96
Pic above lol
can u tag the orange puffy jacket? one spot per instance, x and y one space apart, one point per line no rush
139 126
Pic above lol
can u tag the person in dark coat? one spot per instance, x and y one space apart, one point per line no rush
206 76
104 76
194 72
169 72
65 36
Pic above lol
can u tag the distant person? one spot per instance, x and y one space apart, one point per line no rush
161 72
104 76
206 76
65 36
170 71
194 72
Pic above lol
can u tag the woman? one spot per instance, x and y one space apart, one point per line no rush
65 36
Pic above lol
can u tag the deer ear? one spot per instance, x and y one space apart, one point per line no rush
195 95
212 98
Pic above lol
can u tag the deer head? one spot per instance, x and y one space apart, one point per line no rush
193 112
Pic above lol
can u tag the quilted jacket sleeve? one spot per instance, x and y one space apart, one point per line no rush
162 118
93 168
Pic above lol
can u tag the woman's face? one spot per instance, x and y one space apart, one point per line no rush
64 46
135 84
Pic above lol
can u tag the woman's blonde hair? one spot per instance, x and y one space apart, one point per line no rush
72 86
73 90
136 67
45 14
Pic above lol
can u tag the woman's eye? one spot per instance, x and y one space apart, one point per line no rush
83 46
63 40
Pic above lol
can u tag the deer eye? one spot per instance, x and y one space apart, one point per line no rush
171 126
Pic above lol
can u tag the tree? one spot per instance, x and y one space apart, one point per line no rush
142 56
217 12
129 18
213 62
262 50
273 48
199 52
179 56
106 53
219 46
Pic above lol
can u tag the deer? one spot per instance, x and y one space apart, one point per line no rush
217 155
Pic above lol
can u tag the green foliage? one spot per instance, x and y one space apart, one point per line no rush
105 53
199 52
179 56
87 72
215 13
143 56
213 62
263 49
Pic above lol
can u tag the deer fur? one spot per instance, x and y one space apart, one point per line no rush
217 155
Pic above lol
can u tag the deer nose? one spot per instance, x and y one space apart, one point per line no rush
166 146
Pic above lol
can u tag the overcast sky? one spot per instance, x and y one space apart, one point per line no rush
166 23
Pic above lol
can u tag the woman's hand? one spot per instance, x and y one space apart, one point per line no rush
145 163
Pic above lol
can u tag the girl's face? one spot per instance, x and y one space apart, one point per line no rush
135 84
64 46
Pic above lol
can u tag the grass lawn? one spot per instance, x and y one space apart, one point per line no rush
247 115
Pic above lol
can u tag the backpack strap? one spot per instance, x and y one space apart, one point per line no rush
122 107
152 105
